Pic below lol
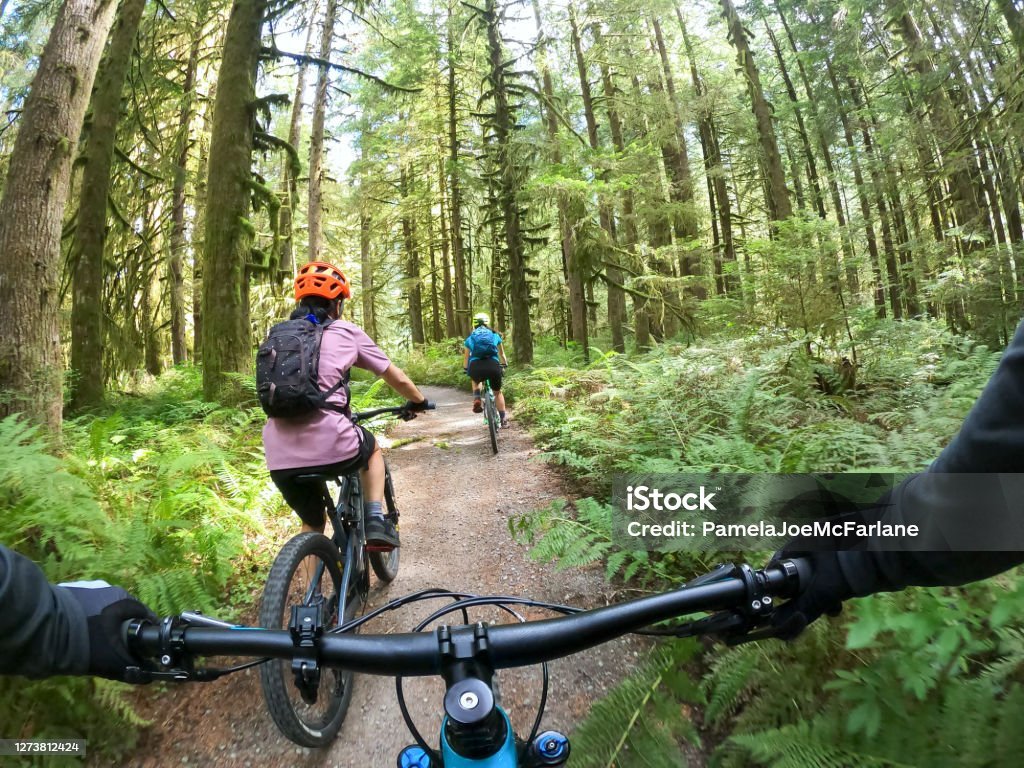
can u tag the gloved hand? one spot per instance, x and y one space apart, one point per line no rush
106 610
823 594
410 409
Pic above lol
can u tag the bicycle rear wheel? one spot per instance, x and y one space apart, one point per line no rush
491 413
385 564
306 571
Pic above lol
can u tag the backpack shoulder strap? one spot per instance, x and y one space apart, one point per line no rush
342 382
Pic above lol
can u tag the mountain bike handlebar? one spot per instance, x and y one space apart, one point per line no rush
745 594
396 410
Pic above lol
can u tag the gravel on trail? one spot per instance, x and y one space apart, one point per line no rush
455 499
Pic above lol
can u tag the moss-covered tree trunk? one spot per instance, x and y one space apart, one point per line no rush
291 186
414 291
677 164
508 190
32 208
91 223
451 329
462 298
567 221
776 193
176 259
726 273
227 343
616 297
316 138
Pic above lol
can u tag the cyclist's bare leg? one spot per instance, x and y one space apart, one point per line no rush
499 400
477 393
380 531
373 478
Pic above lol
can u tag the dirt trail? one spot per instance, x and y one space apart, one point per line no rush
455 499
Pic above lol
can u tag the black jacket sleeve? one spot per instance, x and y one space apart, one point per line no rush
991 440
43 630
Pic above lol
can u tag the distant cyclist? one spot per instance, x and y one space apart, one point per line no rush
325 440
483 359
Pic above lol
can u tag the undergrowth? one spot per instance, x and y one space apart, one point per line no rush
162 493
926 677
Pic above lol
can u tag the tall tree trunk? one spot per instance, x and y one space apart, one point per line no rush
849 265
777 196
176 257
727 278
316 138
567 222
366 275
199 228
812 167
367 289
508 189
450 327
862 194
462 298
288 172
91 225
227 342
435 300
616 297
414 291
895 284
628 219
32 206
954 163
677 164
1015 21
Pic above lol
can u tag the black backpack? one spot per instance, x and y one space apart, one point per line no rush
484 347
287 371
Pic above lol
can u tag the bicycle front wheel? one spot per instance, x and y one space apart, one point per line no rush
306 572
385 564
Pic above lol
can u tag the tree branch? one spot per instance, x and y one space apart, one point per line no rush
277 53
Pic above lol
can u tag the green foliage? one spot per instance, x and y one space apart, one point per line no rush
438 364
160 494
923 677
644 720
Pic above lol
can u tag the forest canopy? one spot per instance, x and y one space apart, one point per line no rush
610 172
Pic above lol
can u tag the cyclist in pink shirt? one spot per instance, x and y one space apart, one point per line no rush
327 441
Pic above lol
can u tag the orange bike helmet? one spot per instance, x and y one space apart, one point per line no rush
318 278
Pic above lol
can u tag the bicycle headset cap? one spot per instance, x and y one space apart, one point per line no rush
318 278
481 318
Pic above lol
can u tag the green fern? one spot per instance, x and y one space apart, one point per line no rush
639 723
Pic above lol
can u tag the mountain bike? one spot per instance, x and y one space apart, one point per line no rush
332 574
475 731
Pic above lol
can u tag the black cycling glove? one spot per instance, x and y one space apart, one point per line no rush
824 594
106 610
410 409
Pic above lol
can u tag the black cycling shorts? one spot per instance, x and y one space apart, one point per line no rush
486 369
307 498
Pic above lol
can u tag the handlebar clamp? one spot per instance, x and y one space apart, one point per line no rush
306 626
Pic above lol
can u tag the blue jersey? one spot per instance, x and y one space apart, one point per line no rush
470 343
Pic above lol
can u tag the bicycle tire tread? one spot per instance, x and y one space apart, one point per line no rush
272 682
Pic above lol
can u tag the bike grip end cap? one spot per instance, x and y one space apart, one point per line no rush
414 756
550 748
